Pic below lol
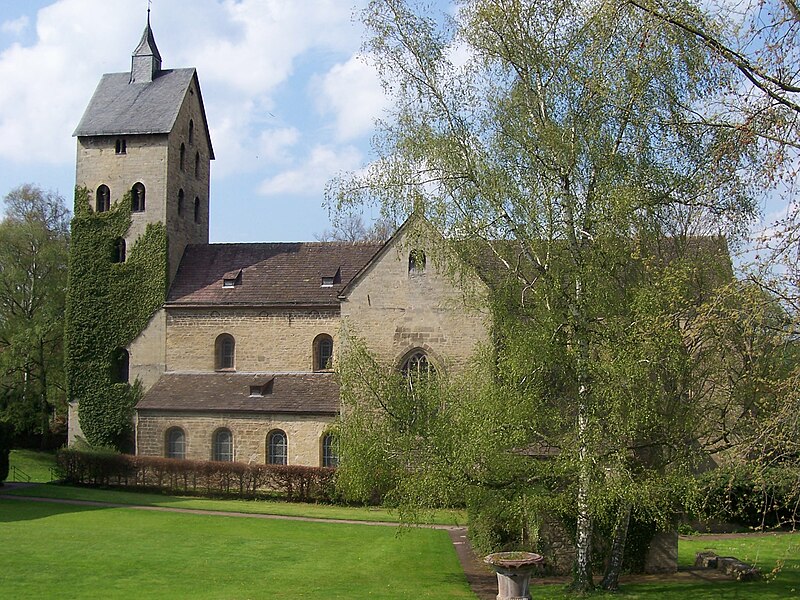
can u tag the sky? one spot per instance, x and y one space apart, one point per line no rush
290 100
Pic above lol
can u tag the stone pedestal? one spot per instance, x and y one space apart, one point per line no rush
513 573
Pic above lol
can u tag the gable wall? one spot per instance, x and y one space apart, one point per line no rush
395 311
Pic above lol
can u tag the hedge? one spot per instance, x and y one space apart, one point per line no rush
295 483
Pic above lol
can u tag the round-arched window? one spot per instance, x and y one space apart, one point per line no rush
137 197
102 199
175 443
277 448
222 446
224 352
330 457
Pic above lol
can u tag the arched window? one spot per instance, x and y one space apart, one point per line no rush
276 448
222 446
225 349
120 366
175 443
196 209
197 164
191 131
137 197
417 364
416 262
119 250
183 156
181 196
323 352
330 458
102 199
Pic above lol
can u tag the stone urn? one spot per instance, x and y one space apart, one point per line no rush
513 573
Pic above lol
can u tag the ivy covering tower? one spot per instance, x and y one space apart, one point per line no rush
142 195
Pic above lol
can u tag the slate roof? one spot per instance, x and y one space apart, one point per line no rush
298 393
272 273
119 107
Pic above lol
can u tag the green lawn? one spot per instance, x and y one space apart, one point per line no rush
60 551
33 463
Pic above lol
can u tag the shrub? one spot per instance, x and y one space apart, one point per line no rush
104 468
6 434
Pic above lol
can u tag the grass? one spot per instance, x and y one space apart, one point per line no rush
35 464
27 459
52 550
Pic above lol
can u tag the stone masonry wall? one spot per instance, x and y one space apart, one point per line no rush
266 340
303 433
396 311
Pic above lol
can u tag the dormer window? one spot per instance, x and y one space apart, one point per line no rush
331 280
265 389
232 278
122 146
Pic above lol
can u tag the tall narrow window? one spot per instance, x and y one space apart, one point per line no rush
183 156
175 443
276 448
137 197
181 196
196 209
122 146
323 352
330 457
197 164
223 446
191 131
416 262
102 199
119 250
120 366
225 352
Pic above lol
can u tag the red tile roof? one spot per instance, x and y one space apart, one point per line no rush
303 393
272 274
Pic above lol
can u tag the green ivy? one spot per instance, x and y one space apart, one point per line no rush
108 305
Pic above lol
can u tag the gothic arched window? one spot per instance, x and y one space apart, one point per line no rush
137 197
191 131
183 156
102 199
277 448
417 364
196 209
181 196
197 164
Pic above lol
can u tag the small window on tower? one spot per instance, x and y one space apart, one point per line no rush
181 196
103 199
183 156
197 164
137 197
191 131
196 209
119 250
122 146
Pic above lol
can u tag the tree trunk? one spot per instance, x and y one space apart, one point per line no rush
611 579
44 406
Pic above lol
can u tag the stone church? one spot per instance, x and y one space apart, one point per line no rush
236 365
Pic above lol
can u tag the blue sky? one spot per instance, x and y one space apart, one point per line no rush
289 98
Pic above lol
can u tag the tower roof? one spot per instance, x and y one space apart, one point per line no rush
147 45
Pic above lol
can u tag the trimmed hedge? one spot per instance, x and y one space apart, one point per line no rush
295 483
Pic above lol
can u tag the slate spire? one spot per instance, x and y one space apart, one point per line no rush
146 60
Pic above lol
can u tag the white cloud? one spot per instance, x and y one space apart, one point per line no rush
15 26
323 163
352 91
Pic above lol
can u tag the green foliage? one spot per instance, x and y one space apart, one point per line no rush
34 238
108 305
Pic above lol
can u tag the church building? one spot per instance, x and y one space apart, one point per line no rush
236 363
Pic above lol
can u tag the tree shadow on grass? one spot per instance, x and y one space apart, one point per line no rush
26 509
